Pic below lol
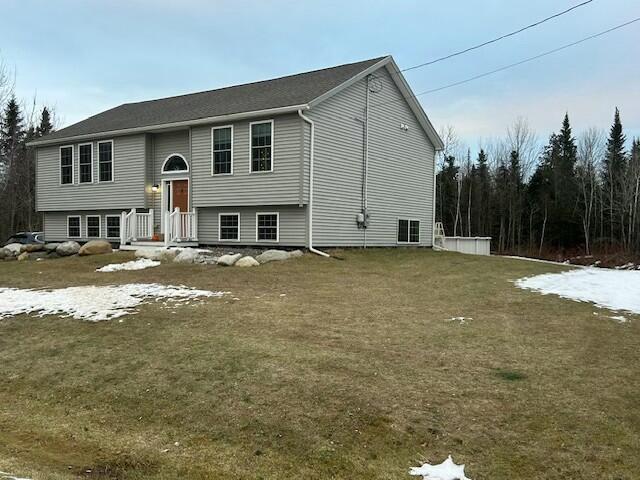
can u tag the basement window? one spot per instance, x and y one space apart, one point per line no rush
408 231
229 226
113 226
93 226
66 165
73 226
268 227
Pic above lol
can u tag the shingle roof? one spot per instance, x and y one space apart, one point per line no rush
286 91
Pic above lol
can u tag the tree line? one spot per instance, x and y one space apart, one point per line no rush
574 194
19 124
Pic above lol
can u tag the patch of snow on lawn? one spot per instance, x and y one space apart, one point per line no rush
446 470
612 289
93 303
460 320
139 264
8 476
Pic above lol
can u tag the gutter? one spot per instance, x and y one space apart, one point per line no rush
165 126
311 158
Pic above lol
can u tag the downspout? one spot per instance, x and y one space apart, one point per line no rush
433 205
311 158
365 180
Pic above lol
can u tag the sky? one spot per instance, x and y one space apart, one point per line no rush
83 57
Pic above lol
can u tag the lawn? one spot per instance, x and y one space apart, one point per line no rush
323 368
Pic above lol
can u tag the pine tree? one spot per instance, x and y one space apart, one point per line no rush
11 130
613 174
45 127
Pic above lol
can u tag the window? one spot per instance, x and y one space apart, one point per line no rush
105 161
261 146
66 165
85 160
267 227
73 226
229 226
222 150
175 163
93 226
113 226
408 231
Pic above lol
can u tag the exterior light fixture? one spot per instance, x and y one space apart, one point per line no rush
155 188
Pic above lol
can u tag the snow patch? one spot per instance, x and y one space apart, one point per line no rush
460 320
94 303
139 264
612 289
446 470
8 476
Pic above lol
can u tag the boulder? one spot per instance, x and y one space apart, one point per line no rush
51 247
23 256
186 255
229 259
68 248
4 253
247 262
206 258
33 247
53 255
272 256
14 248
38 255
95 247
296 253
150 254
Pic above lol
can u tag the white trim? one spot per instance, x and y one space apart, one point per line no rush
228 214
277 214
212 158
170 125
106 225
273 141
174 171
79 217
73 164
80 182
408 220
163 198
86 225
113 161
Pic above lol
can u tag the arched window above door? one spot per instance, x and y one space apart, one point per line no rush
175 163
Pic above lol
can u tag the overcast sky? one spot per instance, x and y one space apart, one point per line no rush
87 56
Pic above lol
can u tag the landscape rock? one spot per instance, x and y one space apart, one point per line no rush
33 247
14 248
68 248
229 259
38 255
272 256
187 255
206 258
53 255
296 253
247 262
4 253
50 247
95 247
23 256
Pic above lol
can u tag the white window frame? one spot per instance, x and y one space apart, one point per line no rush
174 171
212 152
79 217
113 161
408 220
86 225
90 164
73 164
106 225
277 214
273 143
228 214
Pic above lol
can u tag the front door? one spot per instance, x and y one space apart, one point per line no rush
180 195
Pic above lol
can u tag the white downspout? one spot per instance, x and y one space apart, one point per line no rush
311 157
433 205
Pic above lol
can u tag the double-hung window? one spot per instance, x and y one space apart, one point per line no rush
267 227
113 226
85 162
73 226
66 165
229 226
105 161
93 226
408 231
222 150
261 146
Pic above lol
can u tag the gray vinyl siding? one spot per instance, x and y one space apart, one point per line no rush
292 225
55 224
282 186
400 168
125 192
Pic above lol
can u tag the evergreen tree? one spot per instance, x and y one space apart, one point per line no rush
11 130
613 174
45 127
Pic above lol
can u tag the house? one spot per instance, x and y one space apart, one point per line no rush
342 156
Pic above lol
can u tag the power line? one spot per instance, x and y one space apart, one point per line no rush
497 39
526 60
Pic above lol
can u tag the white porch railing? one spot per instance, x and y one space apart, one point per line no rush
135 225
180 226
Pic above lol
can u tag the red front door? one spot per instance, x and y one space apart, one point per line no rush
180 194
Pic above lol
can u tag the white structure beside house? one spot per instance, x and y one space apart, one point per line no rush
342 156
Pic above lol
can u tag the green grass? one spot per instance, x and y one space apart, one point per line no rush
354 374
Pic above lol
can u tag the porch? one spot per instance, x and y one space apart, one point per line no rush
178 228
